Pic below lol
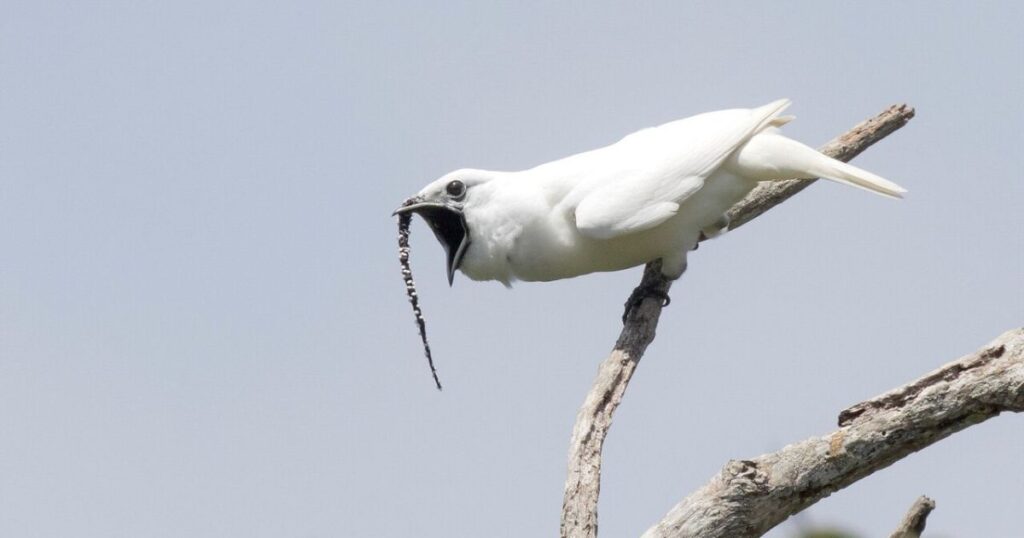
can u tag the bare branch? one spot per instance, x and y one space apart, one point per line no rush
583 483
749 497
913 523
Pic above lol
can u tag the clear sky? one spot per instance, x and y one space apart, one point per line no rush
203 331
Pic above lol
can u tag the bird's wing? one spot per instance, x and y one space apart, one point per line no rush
639 182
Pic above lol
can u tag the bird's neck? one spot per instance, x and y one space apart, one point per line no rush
496 217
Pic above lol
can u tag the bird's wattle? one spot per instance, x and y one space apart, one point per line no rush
449 226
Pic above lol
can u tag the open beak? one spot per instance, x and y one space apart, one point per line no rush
449 226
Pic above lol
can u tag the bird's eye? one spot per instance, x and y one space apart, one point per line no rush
456 189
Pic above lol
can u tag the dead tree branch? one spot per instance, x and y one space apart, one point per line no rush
582 486
749 497
913 523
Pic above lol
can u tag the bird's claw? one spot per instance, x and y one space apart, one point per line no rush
639 294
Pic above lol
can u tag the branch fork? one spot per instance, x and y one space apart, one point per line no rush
749 497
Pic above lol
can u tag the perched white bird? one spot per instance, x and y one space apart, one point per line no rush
650 195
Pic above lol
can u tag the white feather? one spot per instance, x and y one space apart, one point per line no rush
770 156
648 196
656 169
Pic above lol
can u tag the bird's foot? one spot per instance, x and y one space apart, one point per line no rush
642 292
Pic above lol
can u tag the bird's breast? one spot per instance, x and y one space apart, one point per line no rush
554 249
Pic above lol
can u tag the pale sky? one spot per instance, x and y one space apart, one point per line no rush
203 329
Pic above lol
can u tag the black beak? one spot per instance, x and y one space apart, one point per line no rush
449 226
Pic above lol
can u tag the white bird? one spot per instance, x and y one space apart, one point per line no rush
650 195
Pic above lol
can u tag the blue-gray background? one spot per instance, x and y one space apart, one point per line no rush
204 333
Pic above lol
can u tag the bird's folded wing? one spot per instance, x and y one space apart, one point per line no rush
645 176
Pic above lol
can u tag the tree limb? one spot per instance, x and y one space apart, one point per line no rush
749 497
913 523
583 483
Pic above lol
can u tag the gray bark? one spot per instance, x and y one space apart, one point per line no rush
913 523
749 497
582 486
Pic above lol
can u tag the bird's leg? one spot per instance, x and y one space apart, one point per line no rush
642 292
654 284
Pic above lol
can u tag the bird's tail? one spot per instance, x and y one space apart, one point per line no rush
769 156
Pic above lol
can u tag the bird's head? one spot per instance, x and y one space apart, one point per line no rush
443 204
